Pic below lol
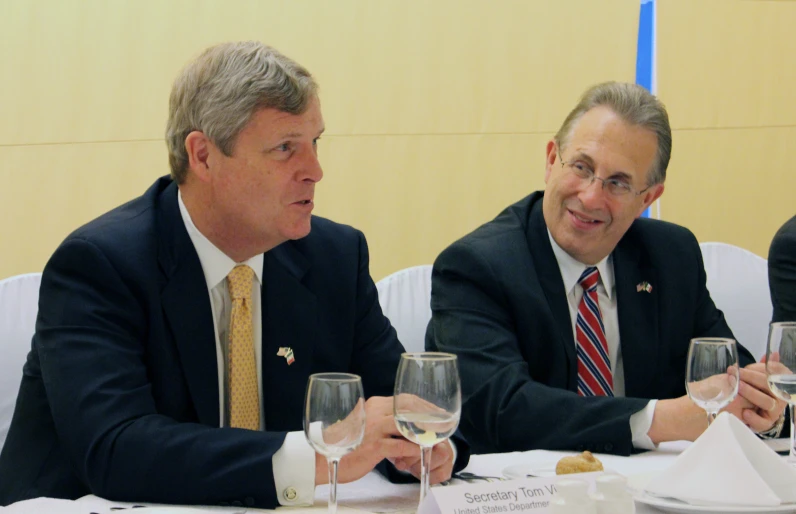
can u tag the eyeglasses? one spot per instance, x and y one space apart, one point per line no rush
615 187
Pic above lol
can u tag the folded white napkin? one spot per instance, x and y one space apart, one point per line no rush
728 465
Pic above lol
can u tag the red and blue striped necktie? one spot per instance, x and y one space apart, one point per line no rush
594 366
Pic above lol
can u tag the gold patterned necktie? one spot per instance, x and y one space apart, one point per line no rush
244 400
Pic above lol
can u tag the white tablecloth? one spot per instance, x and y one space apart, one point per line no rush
373 493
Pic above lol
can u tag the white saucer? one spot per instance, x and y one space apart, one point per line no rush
672 505
541 470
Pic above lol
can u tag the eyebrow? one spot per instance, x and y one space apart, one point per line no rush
299 134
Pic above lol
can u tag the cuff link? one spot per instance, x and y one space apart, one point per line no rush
290 494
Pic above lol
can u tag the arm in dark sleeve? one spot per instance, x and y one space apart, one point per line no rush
782 273
377 354
504 407
91 334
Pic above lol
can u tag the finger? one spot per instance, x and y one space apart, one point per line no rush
378 406
739 403
755 378
385 427
443 453
406 402
441 474
407 463
757 422
777 368
390 448
757 367
756 397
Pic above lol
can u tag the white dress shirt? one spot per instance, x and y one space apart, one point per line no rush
294 462
571 270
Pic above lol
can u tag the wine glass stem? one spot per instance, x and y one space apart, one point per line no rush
333 463
792 457
712 416
425 466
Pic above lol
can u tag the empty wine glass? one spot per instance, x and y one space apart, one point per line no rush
334 420
712 374
780 369
427 403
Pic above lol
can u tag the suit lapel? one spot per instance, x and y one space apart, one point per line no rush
186 304
290 319
638 315
549 274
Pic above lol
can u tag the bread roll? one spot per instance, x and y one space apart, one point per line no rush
583 463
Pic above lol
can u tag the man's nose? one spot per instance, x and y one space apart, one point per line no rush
312 170
592 196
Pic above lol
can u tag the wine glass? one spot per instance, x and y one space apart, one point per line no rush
780 369
334 420
712 374
427 403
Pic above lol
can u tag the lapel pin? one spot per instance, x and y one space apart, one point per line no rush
644 286
287 353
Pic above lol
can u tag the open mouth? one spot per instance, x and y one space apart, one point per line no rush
584 219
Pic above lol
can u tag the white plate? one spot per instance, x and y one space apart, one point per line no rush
672 505
541 470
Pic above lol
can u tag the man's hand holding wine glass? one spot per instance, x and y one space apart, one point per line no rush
382 441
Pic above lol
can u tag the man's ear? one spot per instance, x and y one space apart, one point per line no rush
550 160
652 194
197 146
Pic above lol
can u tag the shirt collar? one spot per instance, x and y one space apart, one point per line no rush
216 265
572 269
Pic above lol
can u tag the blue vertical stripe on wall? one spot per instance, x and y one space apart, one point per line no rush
645 52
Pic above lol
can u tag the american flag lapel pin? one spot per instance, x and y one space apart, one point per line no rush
644 286
287 353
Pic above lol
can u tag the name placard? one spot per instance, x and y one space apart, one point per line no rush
512 496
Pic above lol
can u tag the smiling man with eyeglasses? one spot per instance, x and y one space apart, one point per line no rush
570 314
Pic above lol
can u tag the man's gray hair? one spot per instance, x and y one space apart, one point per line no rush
636 106
218 93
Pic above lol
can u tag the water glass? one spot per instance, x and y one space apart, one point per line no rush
780 369
334 420
712 373
427 403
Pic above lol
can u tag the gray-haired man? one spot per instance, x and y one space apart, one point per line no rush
177 332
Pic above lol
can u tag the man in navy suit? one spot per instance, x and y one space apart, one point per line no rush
782 272
128 390
571 317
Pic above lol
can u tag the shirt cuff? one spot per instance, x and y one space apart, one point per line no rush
294 471
640 424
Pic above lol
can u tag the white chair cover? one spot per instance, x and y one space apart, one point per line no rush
405 298
19 303
738 284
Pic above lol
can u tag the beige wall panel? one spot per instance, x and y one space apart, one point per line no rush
98 70
470 66
734 186
414 195
453 99
48 191
410 195
727 63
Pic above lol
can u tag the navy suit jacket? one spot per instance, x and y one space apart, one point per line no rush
782 272
498 302
119 396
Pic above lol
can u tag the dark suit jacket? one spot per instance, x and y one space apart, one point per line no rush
120 392
498 302
782 272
